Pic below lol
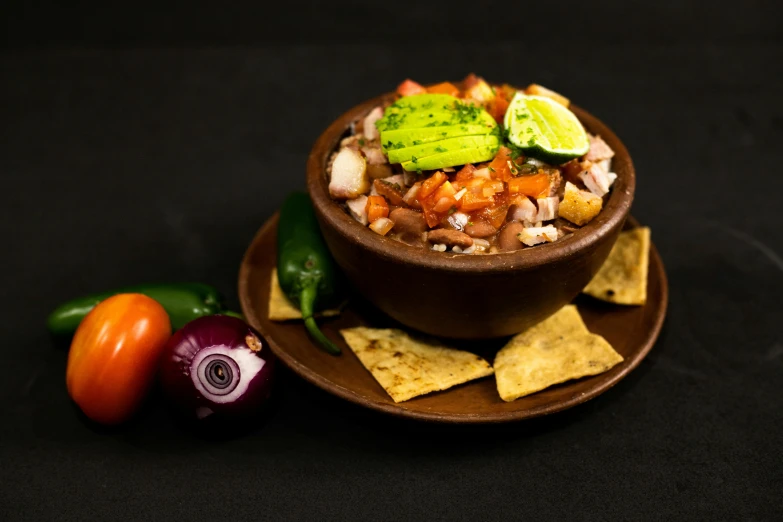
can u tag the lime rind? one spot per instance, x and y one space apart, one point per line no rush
544 129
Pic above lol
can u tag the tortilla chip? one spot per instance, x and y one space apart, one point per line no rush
623 277
555 350
281 308
406 367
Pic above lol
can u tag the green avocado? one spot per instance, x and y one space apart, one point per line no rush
441 146
432 131
430 110
400 138
452 158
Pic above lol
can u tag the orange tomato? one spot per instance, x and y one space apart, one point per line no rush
114 356
444 88
430 184
376 208
465 173
502 167
535 185
471 201
497 108
410 88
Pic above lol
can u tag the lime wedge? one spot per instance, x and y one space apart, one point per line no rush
544 129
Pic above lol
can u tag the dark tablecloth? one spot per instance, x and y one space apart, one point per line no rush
150 145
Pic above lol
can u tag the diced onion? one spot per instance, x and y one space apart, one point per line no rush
447 169
382 225
482 173
459 220
480 244
410 196
459 194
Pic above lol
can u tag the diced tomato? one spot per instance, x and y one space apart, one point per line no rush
471 201
445 190
474 185
506 91
409 88
465 173
497 212
444 204
494 213
469 81
497 108
444 88
536 185
430 215
376 208
430 184
502 167
444 198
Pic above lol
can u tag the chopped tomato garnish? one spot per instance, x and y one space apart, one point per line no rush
430 184
470 80
504 166
497 108
376 208
409 88
445 190
465 173
506 91
536 185
471 201
444 197
497 212
474 185
444 88
430 214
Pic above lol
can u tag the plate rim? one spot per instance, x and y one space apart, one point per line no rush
453 418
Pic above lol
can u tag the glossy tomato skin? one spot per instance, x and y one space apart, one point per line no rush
114 356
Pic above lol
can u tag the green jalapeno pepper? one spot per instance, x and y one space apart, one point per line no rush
305 269
182 301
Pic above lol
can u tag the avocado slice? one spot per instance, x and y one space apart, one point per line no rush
452 158
431 110
442 146
416 111
401 138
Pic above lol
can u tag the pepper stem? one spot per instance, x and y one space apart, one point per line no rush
306 301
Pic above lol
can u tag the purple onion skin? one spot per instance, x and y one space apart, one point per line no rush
217 367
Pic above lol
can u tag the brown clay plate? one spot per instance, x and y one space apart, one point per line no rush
631 331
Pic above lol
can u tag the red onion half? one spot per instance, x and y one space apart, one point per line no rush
217 365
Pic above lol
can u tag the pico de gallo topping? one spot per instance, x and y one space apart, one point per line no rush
474 169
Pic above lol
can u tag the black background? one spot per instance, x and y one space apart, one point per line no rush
149 143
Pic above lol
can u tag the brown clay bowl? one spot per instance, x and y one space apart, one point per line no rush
466 296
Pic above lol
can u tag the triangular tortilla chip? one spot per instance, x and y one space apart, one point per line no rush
406 367
554 351
623 277
281 308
